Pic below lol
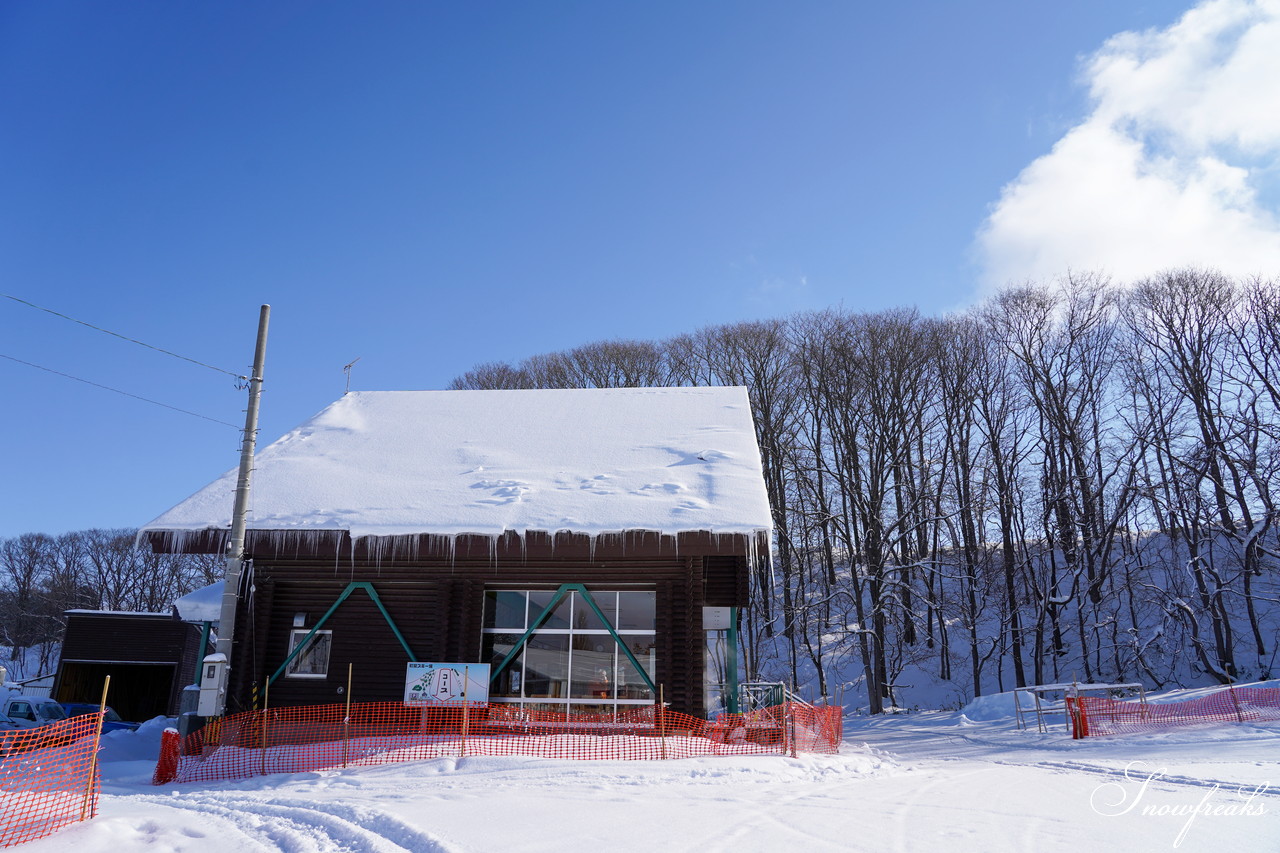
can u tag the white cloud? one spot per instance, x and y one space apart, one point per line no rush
1170 168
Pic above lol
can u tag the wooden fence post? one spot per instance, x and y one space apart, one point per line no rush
346 721
86 807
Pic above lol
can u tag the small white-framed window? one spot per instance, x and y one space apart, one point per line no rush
312 661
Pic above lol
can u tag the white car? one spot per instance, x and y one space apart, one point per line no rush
8 728
19 715
28 712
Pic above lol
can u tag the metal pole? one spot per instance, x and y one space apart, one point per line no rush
732 663
235 542
204 650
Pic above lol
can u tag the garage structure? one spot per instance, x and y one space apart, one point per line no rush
150 657
572 539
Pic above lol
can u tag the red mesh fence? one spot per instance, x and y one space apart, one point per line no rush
292 740
1092 716
48 778
167 764
817 729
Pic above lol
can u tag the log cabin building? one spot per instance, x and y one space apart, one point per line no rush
585 543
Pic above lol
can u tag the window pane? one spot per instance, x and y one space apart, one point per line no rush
504 609
635 611
593 666
546 661
630 684
314 659
585 619
559 618
494 648
571 662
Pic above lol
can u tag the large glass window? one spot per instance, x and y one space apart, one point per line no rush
571 663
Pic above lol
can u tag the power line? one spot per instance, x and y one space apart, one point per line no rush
123 338
118 391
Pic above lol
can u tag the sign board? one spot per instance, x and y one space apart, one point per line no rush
717 618
446 683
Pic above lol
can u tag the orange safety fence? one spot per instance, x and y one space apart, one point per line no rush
48 778
317 737
1092 716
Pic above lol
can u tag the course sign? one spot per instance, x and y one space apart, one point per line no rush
446 683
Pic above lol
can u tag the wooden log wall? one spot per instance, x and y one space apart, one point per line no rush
438 607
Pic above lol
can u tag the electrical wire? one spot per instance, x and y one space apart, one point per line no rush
118 391
124 338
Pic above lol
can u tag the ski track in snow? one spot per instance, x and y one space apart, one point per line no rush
1170 780
307 826
752 819
905 814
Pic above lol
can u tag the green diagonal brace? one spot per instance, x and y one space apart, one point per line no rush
564 590
524 638
612 633
346 593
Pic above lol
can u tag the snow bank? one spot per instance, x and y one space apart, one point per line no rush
997 706
1182 694
140 745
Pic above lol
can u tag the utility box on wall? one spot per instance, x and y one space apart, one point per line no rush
213 683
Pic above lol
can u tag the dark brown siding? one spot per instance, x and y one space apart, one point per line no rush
132 637
725 581
361 637
437 606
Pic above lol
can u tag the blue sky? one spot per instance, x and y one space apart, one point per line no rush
431 185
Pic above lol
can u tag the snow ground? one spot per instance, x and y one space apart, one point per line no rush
927 781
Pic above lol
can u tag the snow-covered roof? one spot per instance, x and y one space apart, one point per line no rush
391 463
120 613
201 605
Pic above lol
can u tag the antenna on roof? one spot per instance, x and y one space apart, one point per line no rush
346 368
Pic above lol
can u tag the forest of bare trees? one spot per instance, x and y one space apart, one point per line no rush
42 577
1066 481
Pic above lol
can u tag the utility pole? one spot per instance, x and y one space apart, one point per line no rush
239 516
